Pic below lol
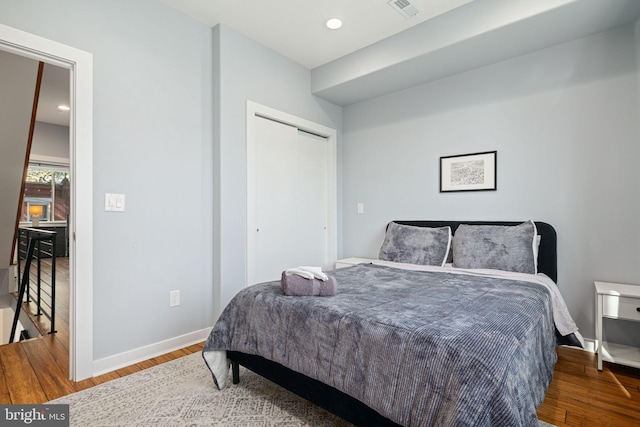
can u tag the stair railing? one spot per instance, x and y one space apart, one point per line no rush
40 244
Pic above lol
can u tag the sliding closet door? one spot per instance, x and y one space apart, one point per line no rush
291 200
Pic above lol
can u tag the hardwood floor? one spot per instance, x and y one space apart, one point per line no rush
580 395
31 371
36 371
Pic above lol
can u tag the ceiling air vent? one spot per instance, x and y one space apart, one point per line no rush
406 8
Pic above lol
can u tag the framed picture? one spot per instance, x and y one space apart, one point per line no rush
469 172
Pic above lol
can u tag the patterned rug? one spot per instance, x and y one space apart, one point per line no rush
181 393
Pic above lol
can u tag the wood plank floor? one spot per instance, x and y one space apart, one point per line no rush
36 371
579 395
31 371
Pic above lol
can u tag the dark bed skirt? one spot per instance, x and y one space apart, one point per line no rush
327 397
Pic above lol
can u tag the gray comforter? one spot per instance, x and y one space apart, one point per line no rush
421 348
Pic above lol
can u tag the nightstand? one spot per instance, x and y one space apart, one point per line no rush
616 301
348 262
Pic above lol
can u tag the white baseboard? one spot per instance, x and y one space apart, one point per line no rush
111 363
590 345
117 361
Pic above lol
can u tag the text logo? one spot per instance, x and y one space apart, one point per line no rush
34 415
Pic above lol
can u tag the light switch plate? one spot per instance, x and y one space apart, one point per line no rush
114 202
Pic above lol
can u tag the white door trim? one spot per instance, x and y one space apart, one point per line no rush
254 109
80 64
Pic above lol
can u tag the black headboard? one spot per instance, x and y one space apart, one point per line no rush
547 252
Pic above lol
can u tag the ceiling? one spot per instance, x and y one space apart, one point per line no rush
54 91
378 51
454 35
296 28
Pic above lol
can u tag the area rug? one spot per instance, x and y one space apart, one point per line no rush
181 393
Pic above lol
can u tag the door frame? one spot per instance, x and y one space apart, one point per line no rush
80 65
254 109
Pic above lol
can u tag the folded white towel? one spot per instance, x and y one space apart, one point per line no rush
300 272
308 272
317 272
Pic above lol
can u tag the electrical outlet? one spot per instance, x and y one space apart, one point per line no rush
174 298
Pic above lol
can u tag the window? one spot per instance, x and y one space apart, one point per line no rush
46 193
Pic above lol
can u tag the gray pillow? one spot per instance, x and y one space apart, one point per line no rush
416 245
498 247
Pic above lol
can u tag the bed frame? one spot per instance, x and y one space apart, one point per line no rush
341 404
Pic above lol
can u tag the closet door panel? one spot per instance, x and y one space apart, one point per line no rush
291 200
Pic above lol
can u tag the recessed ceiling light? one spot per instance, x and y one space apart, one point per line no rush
63 108
334 23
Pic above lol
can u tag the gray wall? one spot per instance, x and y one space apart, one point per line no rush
152 141
248 70
564 121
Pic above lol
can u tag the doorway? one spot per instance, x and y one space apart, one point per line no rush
80 66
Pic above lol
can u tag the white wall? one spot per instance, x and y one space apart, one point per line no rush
564 121
153 142
248 70
17 85
50 143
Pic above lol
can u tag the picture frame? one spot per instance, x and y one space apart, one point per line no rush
469 172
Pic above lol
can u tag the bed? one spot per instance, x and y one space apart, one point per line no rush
412 341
